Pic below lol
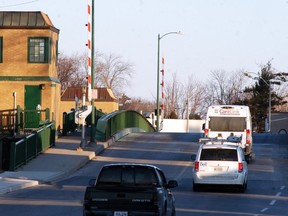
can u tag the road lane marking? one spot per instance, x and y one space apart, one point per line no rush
263 210
272 202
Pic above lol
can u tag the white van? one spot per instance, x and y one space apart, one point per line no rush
232 123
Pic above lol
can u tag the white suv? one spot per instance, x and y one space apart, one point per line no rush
220 164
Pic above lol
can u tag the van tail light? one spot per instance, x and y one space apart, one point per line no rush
206 131
240 167
248 136
196 166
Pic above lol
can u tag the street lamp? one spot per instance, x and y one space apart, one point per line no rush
269 85
158 74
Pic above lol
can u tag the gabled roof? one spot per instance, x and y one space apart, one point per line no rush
104 94
25 19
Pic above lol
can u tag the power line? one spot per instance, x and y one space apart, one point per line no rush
23 3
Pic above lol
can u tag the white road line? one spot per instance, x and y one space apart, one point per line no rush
278 194
263 210
272 202
282 187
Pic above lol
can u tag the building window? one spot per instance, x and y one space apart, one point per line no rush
39 50
1 49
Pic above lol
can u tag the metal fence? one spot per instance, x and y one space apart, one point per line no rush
113 123
7 121
18 151
14 121
69 124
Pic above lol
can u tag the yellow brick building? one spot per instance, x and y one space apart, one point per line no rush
28 62
28 66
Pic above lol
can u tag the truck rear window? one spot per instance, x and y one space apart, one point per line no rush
127 175
219 154
233 124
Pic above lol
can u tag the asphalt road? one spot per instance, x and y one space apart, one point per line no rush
267 192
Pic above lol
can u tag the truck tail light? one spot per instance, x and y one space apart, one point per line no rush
155 198
248 136
240 167
196 166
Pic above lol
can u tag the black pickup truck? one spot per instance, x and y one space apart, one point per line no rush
128 190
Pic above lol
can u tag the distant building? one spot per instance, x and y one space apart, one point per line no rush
106 101
279 122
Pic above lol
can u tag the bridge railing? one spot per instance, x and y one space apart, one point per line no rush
7 121
69 124
111 124
18 151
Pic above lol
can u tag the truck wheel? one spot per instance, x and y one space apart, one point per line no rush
173 213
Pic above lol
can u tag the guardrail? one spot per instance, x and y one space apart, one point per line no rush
124 120
69 124
14 120
7 121
69 120
18 151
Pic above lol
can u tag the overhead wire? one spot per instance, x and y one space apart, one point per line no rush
19 4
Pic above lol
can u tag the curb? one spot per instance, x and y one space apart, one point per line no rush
15 184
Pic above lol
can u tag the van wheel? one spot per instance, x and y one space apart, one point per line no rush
248 159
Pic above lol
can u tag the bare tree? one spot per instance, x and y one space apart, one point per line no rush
70 71
195 91
224 88
114 73
173 97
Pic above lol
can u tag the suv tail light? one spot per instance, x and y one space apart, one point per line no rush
240 167
196 166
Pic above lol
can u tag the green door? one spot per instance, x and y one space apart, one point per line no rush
32 100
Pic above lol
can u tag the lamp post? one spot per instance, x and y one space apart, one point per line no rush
269 85
158 74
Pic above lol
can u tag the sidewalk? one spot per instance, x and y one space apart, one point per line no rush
57 162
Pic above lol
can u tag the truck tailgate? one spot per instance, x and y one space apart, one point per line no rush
122 199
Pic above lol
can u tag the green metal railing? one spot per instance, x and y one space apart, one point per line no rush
69 120
69 124
113 123
18 152
7 122
13 121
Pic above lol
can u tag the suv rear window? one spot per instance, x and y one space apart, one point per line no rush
219 154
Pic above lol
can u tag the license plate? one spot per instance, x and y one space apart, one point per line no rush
218 169
120 213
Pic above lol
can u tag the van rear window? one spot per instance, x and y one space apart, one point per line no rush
233 124
219 154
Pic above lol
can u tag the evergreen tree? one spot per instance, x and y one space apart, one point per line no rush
258 96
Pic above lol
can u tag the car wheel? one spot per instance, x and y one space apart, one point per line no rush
196 187
243 187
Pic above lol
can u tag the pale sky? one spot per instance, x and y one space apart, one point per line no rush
216 34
